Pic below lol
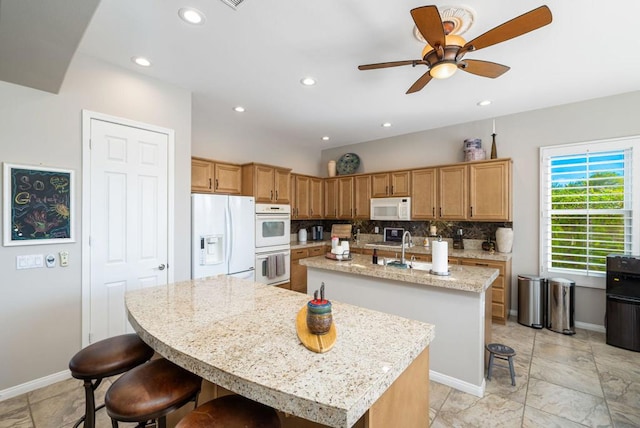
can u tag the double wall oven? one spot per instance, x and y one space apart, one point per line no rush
273 249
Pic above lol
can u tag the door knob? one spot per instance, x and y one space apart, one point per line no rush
162 266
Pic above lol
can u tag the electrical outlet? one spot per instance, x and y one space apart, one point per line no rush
64 258
376 229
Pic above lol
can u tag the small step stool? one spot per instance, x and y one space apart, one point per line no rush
502 352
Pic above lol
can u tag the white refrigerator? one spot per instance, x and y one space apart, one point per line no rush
222 236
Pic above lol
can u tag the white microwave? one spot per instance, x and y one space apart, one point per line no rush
391 209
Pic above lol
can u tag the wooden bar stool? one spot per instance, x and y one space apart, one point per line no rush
150 392
502 352
108 357
231 411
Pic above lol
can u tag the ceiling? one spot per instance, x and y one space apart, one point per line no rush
255 56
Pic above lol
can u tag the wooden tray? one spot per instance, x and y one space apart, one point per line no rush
334 257
314 342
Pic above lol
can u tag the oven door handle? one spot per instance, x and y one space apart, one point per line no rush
623 299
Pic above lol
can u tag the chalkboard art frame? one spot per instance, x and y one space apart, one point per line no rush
38 205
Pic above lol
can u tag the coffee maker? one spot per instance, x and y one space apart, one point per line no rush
317 233
458 244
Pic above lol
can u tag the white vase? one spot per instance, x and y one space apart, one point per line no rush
504 239
331 168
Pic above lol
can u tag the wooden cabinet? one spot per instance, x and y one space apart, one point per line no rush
390 184
331 198
306 200
452 192
268 184
501 287
208 176
345 198
490 191
316 198
361 196
299 272
424 193
300 205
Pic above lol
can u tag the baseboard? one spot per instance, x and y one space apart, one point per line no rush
458 384
32 385
593 327
583 325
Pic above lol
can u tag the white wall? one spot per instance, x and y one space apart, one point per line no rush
519 137
40 309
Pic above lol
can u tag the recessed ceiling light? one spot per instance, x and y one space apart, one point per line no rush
484 103
239 109
191 16
386 125
308 81
325 138
141 61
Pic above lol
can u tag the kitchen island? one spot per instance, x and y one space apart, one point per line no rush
242 336
459 304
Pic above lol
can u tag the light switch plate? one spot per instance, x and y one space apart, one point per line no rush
64 258
29 261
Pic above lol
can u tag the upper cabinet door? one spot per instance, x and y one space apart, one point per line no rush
423 194
452 192
316 200
331 198
201 176
400 181
490 191
361 197
264 184
302 205
380 187
345 197
228 179
281 184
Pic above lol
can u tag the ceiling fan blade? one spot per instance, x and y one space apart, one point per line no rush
420 83
390 64
429 23
483 68
529 21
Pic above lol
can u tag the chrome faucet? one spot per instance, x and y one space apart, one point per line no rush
406 232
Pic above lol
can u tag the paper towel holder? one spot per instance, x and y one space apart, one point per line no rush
432 272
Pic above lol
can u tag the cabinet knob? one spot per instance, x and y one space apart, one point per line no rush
470 211
271 195
209 183
392 190
216 184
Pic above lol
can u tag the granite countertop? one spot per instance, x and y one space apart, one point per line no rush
465 278
471 253
241 335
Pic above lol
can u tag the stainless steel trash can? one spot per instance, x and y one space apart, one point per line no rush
531 300
561 305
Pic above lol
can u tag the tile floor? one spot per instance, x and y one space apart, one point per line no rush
561 381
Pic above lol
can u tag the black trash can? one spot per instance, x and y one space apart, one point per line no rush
532 300
561 302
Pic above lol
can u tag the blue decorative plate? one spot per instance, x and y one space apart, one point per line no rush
348 164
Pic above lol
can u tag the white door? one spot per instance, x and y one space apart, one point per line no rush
128 230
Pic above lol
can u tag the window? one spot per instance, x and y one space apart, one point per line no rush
588 209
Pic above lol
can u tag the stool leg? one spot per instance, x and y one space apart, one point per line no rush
490 365
513 372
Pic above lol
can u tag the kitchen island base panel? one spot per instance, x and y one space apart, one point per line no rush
404 404
461 317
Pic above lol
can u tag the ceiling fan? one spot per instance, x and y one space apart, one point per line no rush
444 51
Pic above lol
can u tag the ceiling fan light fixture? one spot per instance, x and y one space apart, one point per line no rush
443 70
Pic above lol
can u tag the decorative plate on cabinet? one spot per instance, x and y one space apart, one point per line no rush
348 163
